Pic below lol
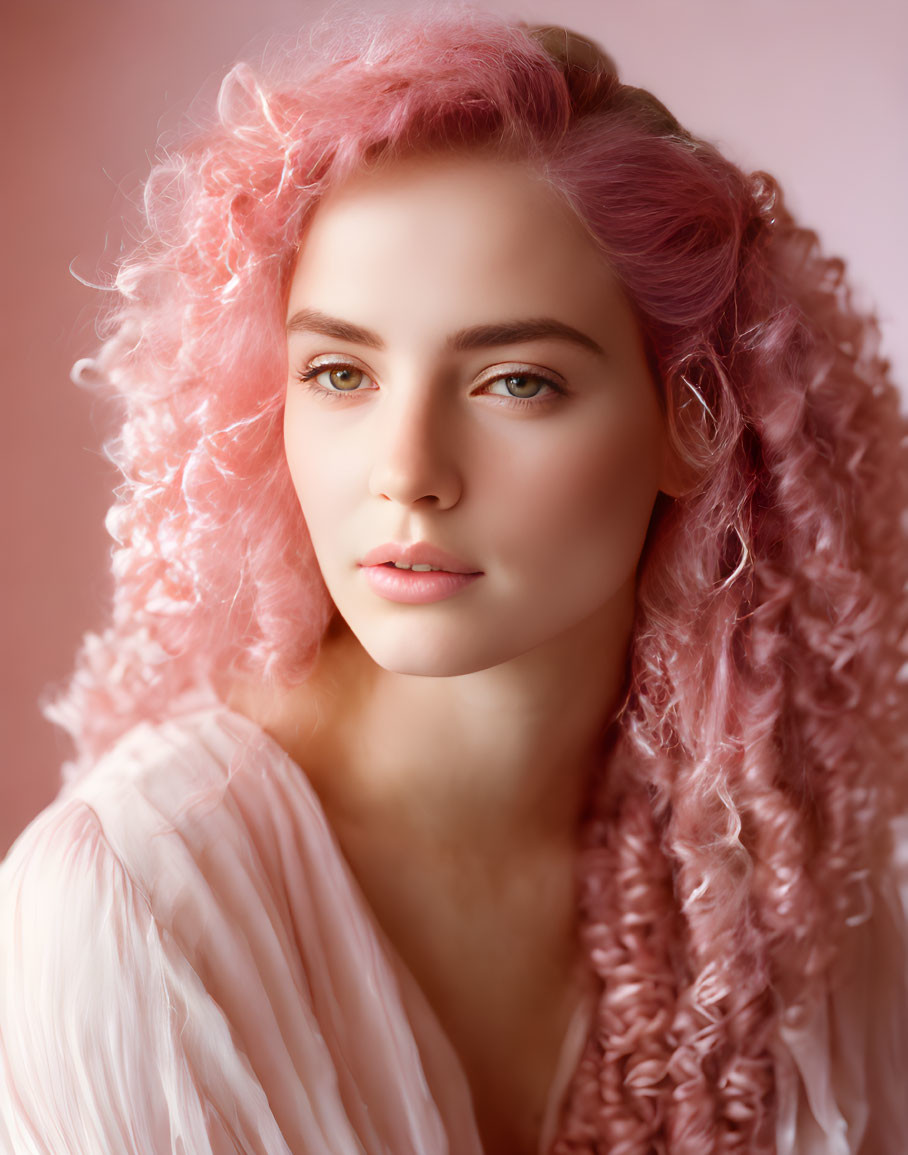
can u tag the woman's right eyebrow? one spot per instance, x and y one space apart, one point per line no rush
475 337
314 321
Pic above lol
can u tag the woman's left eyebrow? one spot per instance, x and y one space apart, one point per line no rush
475 337
516 332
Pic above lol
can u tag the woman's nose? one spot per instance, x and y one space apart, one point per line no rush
414 455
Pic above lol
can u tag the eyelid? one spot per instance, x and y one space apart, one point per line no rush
337 361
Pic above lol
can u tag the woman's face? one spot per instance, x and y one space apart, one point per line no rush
467 377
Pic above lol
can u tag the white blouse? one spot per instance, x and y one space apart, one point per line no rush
188 965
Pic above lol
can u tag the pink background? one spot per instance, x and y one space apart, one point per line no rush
815 91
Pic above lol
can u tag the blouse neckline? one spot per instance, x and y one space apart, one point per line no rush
585 982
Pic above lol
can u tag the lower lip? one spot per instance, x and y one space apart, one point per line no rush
415 589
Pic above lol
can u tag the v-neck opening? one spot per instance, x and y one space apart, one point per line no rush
584 980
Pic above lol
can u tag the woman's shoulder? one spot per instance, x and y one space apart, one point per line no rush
160 945
149 962
197 748
202 772
185 959
198 821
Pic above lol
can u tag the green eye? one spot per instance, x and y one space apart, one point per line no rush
521 385
334 379
344 378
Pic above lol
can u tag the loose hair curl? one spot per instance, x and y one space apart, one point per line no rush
760 749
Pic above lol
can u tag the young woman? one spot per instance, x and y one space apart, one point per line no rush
498 743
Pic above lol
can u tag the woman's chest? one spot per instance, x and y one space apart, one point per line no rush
517 1076
505 985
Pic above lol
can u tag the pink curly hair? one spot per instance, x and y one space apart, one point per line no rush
759 752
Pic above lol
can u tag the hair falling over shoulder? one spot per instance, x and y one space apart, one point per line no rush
761 748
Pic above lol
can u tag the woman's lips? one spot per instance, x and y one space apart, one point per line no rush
415 588
417 553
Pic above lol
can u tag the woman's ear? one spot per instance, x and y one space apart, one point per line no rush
677 476
694 425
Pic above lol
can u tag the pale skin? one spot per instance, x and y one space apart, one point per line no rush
451 743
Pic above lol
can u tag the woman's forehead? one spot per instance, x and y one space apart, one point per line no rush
472 234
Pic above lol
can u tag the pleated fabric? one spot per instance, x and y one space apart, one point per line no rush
188 965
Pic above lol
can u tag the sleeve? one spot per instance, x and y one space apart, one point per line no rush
108 1040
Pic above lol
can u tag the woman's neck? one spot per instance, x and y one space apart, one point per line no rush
494 763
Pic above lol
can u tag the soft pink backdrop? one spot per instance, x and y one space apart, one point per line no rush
813 90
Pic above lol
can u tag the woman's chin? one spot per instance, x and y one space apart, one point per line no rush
423 654
426 665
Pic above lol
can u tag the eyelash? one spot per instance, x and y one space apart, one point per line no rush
307 377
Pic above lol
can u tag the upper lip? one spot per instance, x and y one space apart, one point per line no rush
416 553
